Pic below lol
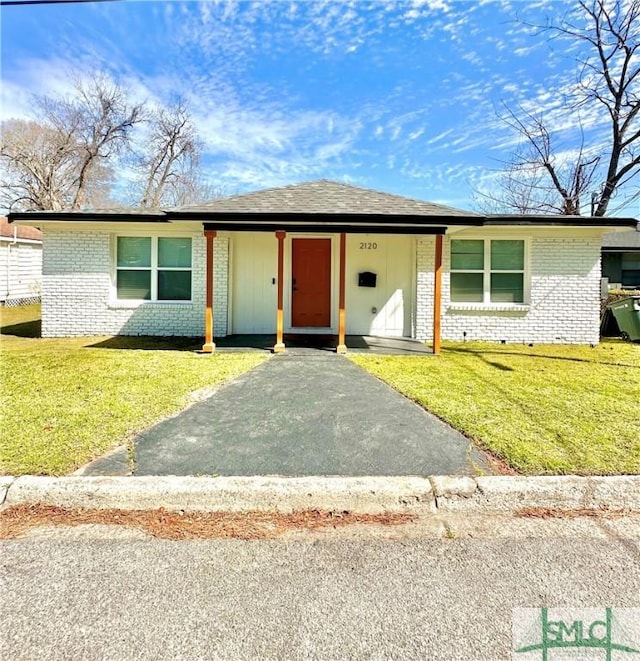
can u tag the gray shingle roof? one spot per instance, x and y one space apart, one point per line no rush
318 206
620 240
324 197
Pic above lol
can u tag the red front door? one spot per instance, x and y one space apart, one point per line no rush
311 282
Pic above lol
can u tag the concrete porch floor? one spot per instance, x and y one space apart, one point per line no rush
302 343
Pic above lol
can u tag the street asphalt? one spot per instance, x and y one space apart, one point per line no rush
310 414
332 598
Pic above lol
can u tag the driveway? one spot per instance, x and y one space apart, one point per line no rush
305 414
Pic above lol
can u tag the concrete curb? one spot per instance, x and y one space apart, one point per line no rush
5 482
228 494
506 493
370 495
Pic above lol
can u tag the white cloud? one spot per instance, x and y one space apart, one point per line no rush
15 102
523 50
439 137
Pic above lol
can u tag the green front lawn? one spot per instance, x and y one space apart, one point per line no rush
64 402
542 409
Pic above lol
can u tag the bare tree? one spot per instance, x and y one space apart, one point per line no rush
65 159
102 120
199 191
612 80
609 81
515 190
172 158
539 178
39 166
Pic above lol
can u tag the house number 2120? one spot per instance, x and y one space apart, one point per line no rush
368 246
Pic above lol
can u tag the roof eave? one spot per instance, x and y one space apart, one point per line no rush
329 220
37 217
560 221
267 217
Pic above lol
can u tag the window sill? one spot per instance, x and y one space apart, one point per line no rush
489 307
132 305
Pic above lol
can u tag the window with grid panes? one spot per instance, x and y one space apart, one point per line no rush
153 268
487 270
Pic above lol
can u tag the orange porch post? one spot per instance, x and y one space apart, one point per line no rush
209 346
342 347
437 294
279 345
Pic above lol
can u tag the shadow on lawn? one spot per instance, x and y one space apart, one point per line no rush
24 329
180 343
480 353
149 343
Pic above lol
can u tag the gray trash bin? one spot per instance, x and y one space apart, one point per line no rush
627 314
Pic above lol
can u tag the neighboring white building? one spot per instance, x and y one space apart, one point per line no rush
322 257
621 259
20 264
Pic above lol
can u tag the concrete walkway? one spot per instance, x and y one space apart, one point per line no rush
298 343
310 414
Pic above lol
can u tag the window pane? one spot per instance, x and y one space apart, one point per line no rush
631 260
174 253
467 254
134 284
507 255
631 278
134 251
507 288
466 287
174 285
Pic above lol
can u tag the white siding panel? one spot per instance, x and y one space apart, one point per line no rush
255 294
4 257
20 271
386 308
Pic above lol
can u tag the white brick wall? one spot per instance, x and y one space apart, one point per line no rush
425 261
564 305
79 297
221 284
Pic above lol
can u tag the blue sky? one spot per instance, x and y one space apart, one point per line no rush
397 96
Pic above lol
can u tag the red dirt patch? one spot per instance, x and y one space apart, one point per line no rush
164 524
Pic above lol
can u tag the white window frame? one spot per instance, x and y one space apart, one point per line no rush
154 269
487 272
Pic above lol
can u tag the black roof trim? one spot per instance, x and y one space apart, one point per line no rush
88 217
332 228
329 219
558 221
349 222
